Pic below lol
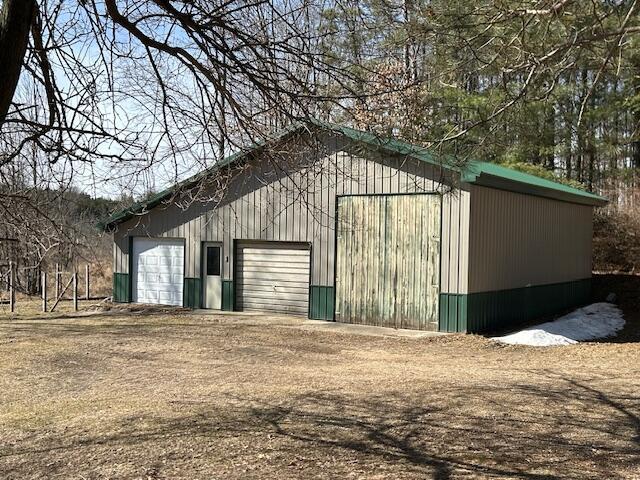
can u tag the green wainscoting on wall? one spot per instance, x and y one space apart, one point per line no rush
228 298
192 294
489 311
321 302
452 316
121 288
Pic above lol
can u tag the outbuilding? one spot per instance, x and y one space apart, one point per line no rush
338 224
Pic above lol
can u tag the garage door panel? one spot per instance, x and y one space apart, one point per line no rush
166 296
158 271
150 270
269 252
271 272
258 260
268 280
285 296
290 267
283 287
273 277
275 299
289 308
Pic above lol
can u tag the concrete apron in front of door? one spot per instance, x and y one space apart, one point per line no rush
257 318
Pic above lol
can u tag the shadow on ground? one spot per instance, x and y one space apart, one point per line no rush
584 433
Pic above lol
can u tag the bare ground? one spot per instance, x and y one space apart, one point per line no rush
177 395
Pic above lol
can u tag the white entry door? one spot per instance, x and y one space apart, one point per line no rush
158 270
212 276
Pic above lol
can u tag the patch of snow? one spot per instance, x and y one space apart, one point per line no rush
599 320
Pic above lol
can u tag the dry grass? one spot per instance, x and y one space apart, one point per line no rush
178 395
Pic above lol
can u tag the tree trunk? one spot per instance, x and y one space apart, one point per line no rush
635 157
567 125
568 141
582 140
591 146
15 21
550 136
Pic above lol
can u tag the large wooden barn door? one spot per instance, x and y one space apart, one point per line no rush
388 260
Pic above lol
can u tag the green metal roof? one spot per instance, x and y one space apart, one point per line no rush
473 172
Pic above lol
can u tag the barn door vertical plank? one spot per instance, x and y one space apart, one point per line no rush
356 292
348 256
386 241
425 235
353 254
364 267
412 263
346 263
415 263
393 264
369 238
407 208
425 286
390 249
342 298
378 256
401 277
419 292
434 255
401 255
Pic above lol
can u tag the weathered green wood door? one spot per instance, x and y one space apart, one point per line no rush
388 260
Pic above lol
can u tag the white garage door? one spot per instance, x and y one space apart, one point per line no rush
158 271
273 277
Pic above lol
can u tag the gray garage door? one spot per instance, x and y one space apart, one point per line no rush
273 277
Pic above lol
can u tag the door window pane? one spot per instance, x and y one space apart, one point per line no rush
213 261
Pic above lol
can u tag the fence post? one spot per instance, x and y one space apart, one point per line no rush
12 289
44 290
75 291
57 280
86 281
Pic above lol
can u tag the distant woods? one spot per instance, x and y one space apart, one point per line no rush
551 84
548 87
44 227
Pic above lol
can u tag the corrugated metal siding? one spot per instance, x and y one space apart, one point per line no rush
519 240
264 203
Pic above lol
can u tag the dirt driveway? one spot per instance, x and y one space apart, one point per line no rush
188 396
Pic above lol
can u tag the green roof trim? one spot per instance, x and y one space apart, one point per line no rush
493 175
473 172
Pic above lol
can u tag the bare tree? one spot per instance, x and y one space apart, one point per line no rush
121 91
127 91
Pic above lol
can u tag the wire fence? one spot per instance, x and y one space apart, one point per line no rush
65 285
